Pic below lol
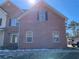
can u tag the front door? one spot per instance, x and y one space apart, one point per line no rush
14 41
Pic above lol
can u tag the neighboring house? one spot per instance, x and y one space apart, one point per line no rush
3 15
39 27
11 24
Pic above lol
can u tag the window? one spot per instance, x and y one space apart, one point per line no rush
42 15
14 38
56 37
0 21
13 22
29 36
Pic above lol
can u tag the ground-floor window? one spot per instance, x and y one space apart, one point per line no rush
56 36
14 38
29 37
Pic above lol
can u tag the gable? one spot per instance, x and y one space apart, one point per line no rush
11 9
2 12
3 18
43 5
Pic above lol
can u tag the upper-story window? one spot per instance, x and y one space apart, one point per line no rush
0 21
13 22
42 15
56 36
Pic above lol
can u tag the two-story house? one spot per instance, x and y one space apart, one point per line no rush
8 14
41 27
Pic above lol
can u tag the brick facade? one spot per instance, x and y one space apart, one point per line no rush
42 31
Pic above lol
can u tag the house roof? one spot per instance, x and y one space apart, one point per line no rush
11 9
42 2
3 11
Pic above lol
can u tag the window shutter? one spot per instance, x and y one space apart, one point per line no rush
46 15
38 16
9 22
0 21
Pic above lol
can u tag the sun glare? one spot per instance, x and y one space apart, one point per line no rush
32 2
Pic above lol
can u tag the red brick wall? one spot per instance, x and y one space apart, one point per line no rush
42 31
12 11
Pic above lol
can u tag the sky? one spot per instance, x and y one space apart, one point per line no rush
69 8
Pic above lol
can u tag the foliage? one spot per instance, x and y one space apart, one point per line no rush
73 26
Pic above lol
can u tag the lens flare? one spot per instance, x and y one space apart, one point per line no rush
32 2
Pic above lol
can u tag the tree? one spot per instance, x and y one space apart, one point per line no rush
74 27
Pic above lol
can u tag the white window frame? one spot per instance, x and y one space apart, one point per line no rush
13 22
56 34
42 15
27 35
11 38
